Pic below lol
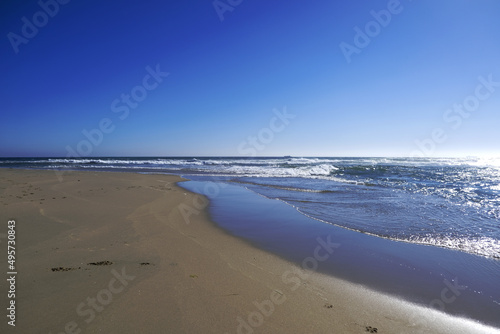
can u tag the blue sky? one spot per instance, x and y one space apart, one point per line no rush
397 90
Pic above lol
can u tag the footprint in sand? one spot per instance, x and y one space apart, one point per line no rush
100 263
65 269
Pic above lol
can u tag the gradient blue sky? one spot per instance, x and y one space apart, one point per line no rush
226 77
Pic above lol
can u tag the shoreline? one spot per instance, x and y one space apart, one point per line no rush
119 240
432 277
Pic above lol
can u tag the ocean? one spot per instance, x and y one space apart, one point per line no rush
451 203
419 228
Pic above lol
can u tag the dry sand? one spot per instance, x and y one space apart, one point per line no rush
107 252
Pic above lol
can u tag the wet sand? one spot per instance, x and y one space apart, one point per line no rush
128 253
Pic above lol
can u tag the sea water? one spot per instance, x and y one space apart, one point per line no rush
451 203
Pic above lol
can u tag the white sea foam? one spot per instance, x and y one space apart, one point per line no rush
484 246
274 171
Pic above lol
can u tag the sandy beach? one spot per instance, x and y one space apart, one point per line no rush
100 252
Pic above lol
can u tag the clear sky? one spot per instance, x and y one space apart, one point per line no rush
207 78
